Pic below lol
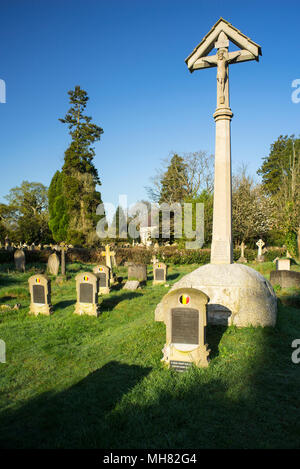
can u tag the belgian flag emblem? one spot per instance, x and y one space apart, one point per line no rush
184 299
85 278
38 280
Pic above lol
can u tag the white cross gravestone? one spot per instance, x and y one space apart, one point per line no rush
237 294
108 254
260 244
243 258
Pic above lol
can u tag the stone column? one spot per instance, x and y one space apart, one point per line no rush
221 249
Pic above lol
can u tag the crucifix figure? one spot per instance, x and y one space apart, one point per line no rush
218 38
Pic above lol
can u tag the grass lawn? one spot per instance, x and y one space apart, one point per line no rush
84 382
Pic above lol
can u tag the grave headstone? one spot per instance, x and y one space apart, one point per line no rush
185 316
159 273
285 278
87 294
19 257
283 264
103 274
260 244
137 272
242 257
131 285
53 264
108 254
40 294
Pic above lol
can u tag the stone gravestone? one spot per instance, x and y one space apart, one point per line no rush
53 264
19 257
137 272
87 294
131 285
40 294
243 258
159 273
285 278
185 316
103 274
260 244
283 264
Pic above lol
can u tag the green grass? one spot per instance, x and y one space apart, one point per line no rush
83 382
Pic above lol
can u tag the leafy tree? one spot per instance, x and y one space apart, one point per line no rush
252 210
26 214
280 173
73 197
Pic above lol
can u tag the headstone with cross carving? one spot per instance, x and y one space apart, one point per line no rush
260 244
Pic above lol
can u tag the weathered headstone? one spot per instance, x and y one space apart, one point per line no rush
285 278
131 285
260 244
87 294
103 274
242 257
185 316
159 273
137 272
283 264
53 264
19 257
40 294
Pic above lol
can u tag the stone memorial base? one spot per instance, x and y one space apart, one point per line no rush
36 309
285 278
87 308
175 357
260 259
242 260
238 295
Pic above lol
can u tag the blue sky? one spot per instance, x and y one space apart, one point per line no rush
129 56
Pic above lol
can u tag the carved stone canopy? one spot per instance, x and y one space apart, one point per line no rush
218 37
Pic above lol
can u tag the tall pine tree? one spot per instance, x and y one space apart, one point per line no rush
73 197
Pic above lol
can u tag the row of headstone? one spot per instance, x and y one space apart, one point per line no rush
89 285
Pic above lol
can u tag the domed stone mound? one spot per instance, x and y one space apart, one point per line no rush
238 295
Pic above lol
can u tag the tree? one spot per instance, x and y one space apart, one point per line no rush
26 214
73 197
182 176
120 224
280 173
252 210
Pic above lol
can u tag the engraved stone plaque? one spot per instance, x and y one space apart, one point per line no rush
185 326
86 293
159 274
102 279
38 294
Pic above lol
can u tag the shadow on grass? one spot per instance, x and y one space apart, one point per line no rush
109 303
63 304
214 336
66 419
247 398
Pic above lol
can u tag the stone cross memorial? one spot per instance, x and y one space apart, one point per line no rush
19 257
103 274
185 316
238 295
243 258
40 294
87 294
260 244
218 38
109 255
159 273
